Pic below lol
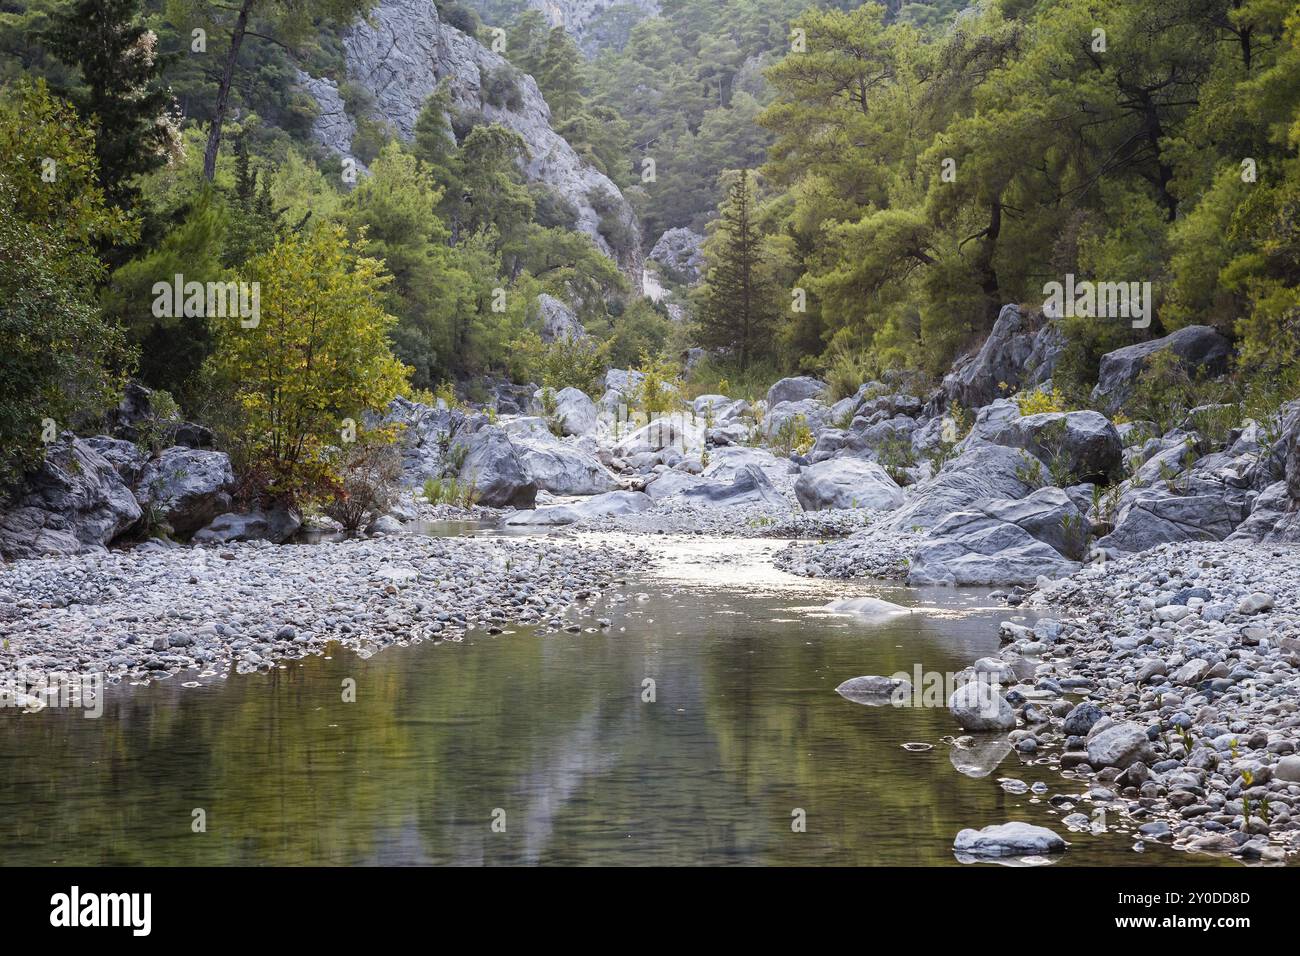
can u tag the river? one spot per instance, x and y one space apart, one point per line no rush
523 748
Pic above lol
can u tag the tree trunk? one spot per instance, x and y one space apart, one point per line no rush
223 91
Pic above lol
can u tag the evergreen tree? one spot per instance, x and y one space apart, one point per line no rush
738 302
131 106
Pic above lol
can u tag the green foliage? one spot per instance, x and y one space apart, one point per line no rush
60 355
451 491
558 365
62 362
317 357
792 436
659 389
896 456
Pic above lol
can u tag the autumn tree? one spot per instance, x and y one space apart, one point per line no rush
314 357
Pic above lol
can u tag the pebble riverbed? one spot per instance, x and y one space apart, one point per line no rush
158 610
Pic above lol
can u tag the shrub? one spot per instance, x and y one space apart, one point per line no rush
1037 401
368 471
660 387
847 372
793 436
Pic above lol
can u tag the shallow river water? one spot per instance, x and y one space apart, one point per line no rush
523 748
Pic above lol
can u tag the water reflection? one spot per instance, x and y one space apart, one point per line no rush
552 737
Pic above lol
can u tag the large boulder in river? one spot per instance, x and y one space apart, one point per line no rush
998 542
750 485
1085 442
726 463
1200 350
847 483
985 471
797 389
554 465
977 706
73 502
1007 839
492 465
615 503
276 525
186 487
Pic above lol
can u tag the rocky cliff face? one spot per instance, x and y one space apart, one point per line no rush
595 23
400 55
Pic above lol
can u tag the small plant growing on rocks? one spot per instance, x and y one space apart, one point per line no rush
1030 471
896 456
793 436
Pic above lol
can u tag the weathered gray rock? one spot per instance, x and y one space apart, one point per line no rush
749 486
492 465
186 487
671 483
595 24
978 707
1119 745
559 322
874 691
402 51
679 253
1151 516
126 456
277 525
726 463
1081 718
614 503
332 127
997 541
987 471
1019 353
661 433
1085 443
808 411
797 389
1200 350
1008 839
575 412
75 501
847 483
560 467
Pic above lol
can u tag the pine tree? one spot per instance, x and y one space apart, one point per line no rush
738 303
121 67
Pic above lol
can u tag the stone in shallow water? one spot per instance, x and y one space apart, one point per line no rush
874 691
867 608
1008 839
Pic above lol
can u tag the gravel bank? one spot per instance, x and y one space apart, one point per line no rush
869 553
1188 660
154 610
735 521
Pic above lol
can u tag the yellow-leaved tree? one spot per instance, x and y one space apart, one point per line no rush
299 377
